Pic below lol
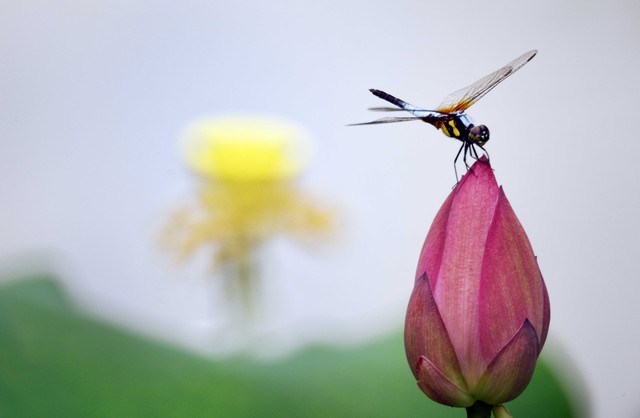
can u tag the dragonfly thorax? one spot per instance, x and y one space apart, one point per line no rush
478 134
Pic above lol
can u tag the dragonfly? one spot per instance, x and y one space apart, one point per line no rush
450 116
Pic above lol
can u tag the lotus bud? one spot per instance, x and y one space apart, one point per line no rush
479 313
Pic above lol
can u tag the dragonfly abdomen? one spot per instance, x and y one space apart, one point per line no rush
392 99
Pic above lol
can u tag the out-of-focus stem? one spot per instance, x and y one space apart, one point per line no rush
246 277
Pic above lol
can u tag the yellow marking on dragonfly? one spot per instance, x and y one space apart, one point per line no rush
454 128
445 130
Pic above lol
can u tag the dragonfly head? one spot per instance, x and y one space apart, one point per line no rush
479 135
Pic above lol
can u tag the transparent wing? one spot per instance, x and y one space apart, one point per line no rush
386 109
389 120
429 118
463 98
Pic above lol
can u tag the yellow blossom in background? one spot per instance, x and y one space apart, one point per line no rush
246 149
247 195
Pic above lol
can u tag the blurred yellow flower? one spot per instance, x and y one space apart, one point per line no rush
246 149
246 196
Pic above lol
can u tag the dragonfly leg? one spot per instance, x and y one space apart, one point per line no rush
466 150
455 161
472 153
485 151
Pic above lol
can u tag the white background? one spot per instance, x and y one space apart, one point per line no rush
94 95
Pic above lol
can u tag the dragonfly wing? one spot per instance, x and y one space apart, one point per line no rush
462 99
388 120
386 109
428 116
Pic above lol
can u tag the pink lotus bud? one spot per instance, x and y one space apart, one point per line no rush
479 312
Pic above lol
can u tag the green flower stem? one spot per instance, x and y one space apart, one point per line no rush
244 270
246 277
479 410
499 411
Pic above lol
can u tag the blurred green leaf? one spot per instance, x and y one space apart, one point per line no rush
57 361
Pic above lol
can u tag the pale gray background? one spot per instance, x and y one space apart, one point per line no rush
94 95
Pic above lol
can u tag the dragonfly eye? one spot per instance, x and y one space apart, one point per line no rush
479 135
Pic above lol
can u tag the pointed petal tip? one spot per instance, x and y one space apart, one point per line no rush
511 370
483 165
438 387
480 171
